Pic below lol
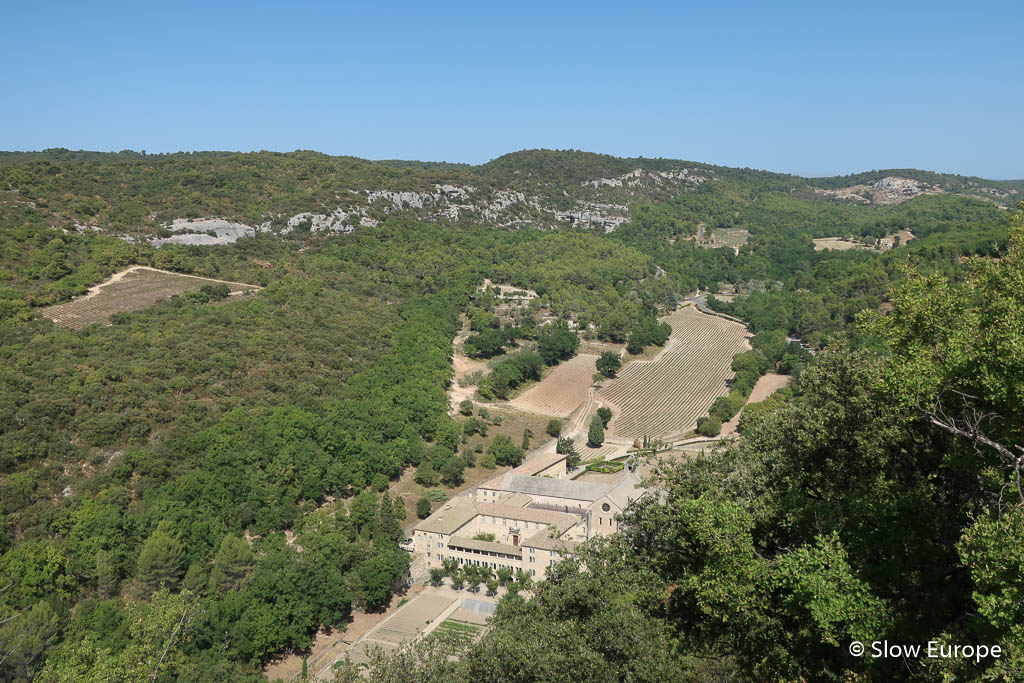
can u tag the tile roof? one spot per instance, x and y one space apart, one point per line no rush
556 488
541 462
449 517
625 490
527 514
544 541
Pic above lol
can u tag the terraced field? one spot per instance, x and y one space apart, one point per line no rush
562 390
664 397
130 290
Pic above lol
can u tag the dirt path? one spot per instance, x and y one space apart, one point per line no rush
463 365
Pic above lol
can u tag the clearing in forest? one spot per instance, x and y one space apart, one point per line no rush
562 390
130 290
765 387
664 397
837 243
727 237
884 244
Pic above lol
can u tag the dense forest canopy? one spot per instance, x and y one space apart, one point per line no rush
227 463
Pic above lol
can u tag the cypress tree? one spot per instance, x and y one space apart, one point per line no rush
595 435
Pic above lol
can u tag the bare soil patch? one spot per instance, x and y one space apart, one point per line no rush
562 390
131 290
765 387
463 366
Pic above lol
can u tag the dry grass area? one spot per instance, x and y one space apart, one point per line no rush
664 397
765 387
727 237
842 244
596 348
130 290
562 390
837 243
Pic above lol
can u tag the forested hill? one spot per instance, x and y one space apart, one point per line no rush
222 469
140 195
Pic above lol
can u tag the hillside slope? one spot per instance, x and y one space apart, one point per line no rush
219 197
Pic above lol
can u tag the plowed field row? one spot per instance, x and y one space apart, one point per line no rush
666 396
562 390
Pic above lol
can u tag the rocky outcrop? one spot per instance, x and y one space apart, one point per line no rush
892 190
639 176
599 204
204 231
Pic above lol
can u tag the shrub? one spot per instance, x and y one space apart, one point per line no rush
554 428
709 426
605 467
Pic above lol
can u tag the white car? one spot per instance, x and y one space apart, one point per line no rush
407 544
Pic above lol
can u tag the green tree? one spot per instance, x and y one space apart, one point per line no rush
425 474
451 472
388 530
567 447
595 434
107 579
423 508
161 562
466 407
709 426
605 414
362 510
232 564
24 638
556 342
504 451
159 628
436 576
608 363
554 428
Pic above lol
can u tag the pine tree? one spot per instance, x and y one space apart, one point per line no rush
106 575
388 530
231 564
161 562
363 511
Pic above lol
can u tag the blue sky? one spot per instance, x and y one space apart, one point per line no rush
804 87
